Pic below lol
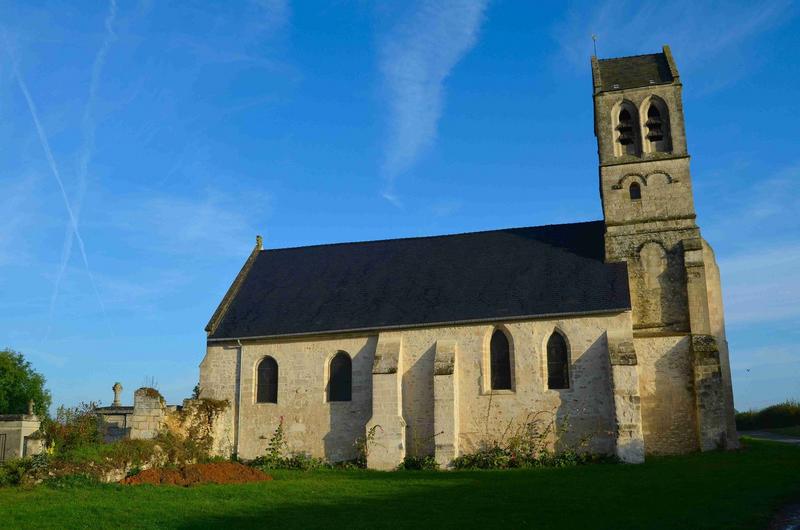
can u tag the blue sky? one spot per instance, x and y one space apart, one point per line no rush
170 136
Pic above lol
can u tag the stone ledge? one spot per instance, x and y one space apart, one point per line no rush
445 359
621 351
387 357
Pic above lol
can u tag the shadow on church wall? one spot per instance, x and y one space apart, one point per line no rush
660 298
418 404
666 378
348 419
588 405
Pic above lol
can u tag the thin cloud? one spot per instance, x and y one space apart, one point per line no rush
54 169
762 210
753 297
87 149
16 202
191 225
271 16
699 32
415 60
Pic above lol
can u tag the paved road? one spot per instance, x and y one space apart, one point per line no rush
763 435
788 517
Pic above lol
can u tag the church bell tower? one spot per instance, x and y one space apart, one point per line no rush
648 207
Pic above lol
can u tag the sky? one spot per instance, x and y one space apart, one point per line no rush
143 145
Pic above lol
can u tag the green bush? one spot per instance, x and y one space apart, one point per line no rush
71 481
786 414
497 457
419 463
21 471
487 457
296 461
14 472
73 427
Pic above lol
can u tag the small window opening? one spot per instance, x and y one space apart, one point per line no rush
557 362
635 191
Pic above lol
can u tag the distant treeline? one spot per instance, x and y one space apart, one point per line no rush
786 414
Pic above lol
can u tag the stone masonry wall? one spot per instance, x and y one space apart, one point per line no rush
330 430
666 385
717 324
312 424
149 412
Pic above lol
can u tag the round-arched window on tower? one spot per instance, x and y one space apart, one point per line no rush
626 131
657 127
655 130
635 191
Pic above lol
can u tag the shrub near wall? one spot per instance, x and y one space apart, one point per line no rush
786 414
529 443
76 446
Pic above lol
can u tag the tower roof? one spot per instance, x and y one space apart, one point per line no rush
636 71
482 276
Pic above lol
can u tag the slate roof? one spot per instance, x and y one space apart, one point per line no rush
635 71
481 276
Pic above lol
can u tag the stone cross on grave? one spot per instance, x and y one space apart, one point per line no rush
117 388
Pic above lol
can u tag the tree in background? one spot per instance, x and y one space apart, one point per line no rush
19 384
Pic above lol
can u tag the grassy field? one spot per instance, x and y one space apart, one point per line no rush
712 490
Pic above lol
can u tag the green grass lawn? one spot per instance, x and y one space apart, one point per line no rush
713 490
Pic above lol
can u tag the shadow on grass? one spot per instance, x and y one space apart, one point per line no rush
731 490
712 490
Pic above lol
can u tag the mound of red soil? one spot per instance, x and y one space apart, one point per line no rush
219 473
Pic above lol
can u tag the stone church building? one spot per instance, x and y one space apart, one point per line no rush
444 341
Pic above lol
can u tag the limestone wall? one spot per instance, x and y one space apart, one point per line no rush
203 419
717 322
312 424
666 386
330 429
148 416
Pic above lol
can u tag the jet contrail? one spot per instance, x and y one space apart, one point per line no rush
86 156
54 169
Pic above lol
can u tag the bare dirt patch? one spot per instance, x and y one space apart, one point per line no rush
218 473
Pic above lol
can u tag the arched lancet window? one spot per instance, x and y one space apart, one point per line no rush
267 381
340 383
657 127
655 132
635 191
557 362
500 361
626 131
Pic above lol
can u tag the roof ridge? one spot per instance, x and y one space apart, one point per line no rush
343 243
632 56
